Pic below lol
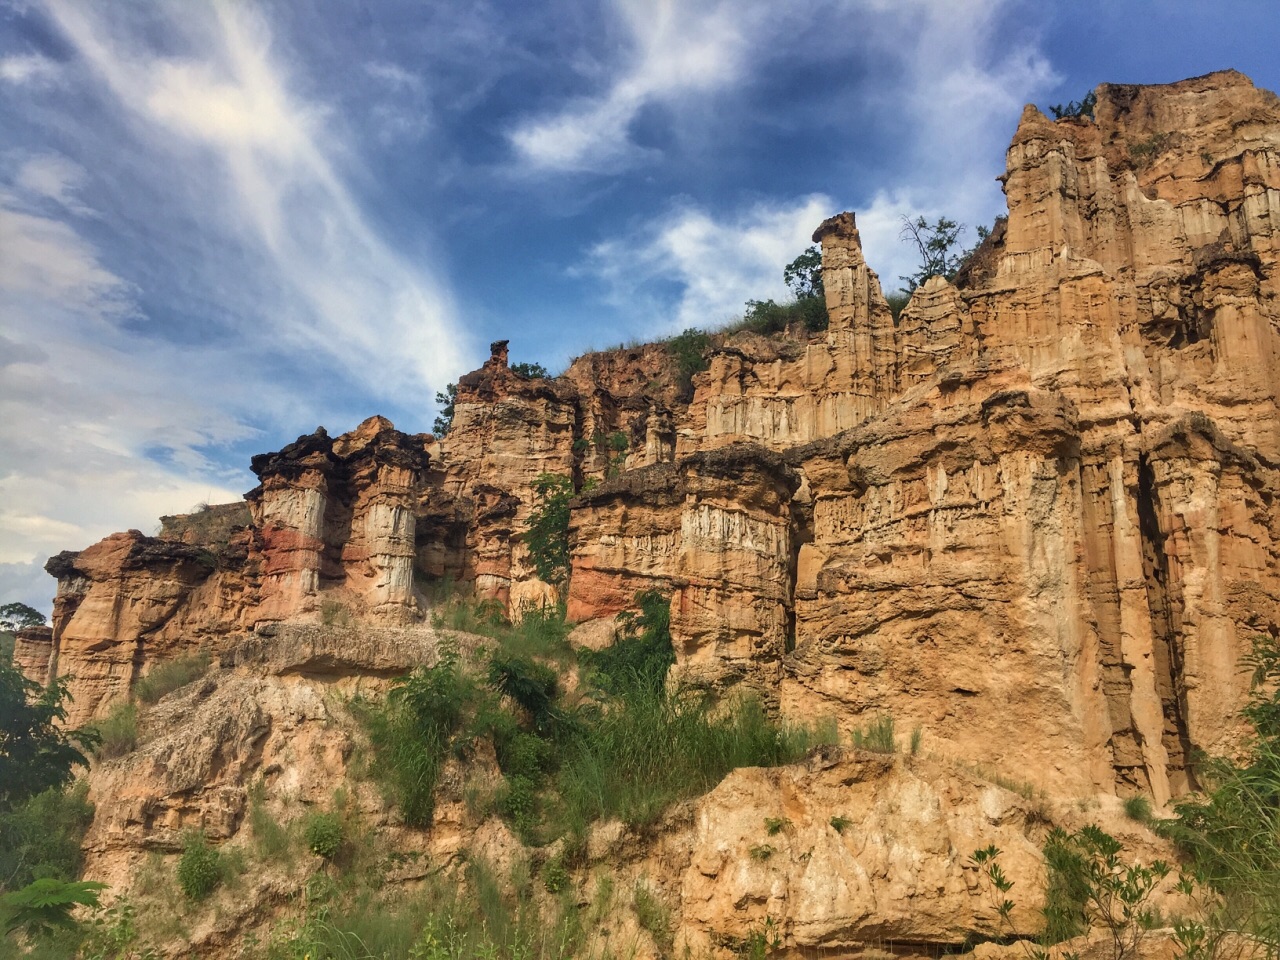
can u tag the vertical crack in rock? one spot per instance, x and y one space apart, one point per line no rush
1166 629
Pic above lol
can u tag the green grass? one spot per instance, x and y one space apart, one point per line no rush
169 676
41 837
877 736
644 754
1138 808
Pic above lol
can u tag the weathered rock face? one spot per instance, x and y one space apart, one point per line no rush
1034 516
32 650
714 530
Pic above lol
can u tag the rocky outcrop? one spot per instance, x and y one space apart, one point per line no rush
32 650
713 530
1034 516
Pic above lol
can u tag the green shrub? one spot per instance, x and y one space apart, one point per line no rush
118 731
655 917
775 825
270 838
323 834
533 686
171 675
840 824
688 351
200 869
1138 808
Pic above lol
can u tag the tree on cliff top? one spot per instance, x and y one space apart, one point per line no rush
19 616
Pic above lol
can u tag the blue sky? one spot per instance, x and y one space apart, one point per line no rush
224 224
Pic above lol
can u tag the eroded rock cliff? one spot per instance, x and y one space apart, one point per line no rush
1033 515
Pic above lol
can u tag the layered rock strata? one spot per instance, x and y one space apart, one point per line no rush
1034 515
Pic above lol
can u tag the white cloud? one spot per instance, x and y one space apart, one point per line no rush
31 68
345 292
678 48
86 408
718 265
54 177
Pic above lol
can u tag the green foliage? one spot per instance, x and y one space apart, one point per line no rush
1138 808
554 875
654 916
411 734
803 275
775 825
446 400
877 736
43 906
113 935
1089 883
41 836
839 824
917 738
171 675
688 350
1232 832
271 839
36 752
1144 151
547 536
18 616
761 941
937 244
760 852
768 316
532 371
1076 108
323 833
200 869
533 686
638 660
118 731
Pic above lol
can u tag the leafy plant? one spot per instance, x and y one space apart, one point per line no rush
760 851
917 737
200 869
532 371
638 660
45 905
19 616
412 731
688 350
839 824
547 535
36 751
323 834
775 825
1138 808
41 836
654 916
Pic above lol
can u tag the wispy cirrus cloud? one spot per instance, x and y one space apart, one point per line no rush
388 322
676 49
28 68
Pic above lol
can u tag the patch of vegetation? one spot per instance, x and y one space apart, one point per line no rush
1076 108
412 731
877 736
37 752
323 833
531 371
41 836
171 675
1144 151
19 616
840 824
200 869
688 350
271 839
1231 832
1138 808
446 400
547 535
760 852
654 917
45 906
775 825
117 731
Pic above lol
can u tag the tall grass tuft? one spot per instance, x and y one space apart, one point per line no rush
877 736
171 675
118 731
647 752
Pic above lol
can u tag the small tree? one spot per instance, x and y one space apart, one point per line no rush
36 753
804 274
1076 108
446 399
547 536
533 371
